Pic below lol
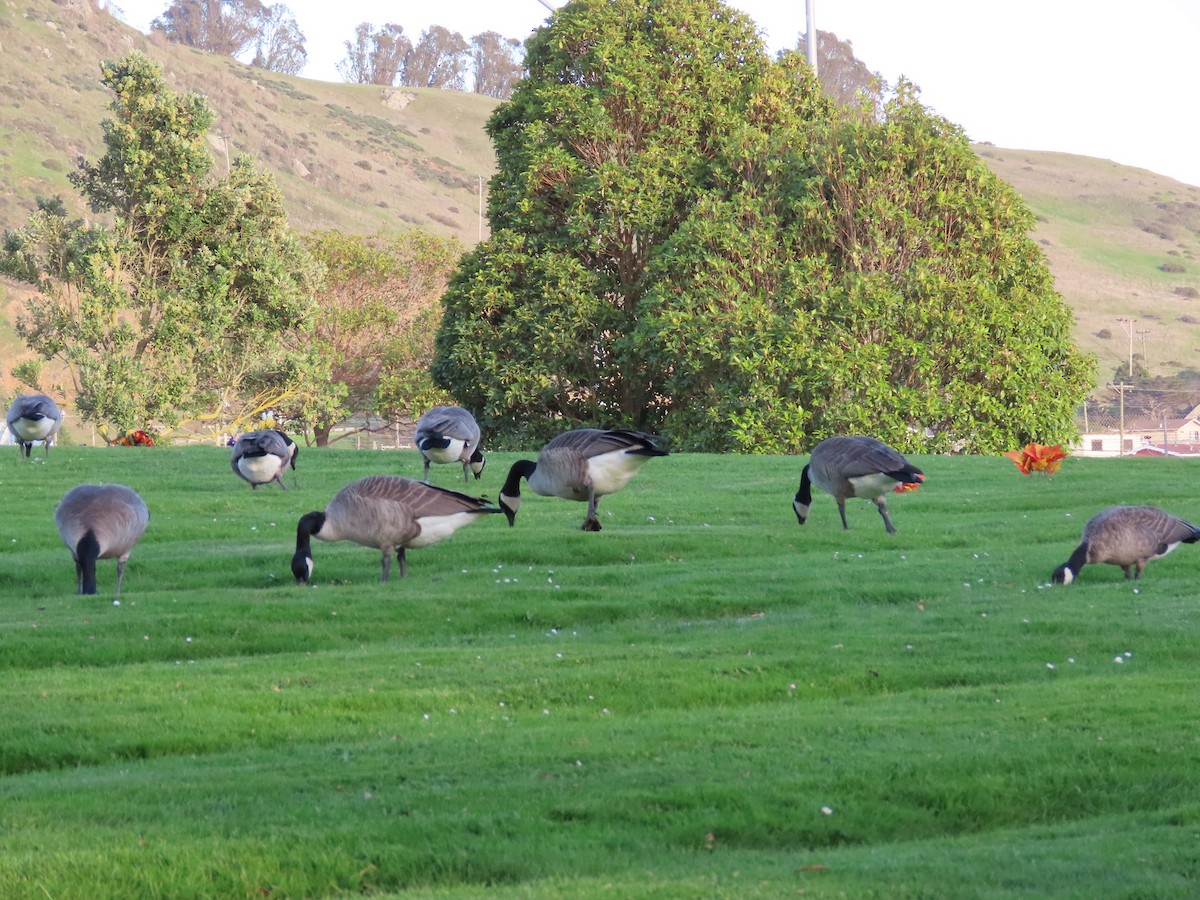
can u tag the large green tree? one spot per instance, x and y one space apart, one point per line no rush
176 304
686 236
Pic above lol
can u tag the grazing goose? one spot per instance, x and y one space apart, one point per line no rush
34 417
100 521
450 434
1129 537
387 512
260 457
854 467
584 464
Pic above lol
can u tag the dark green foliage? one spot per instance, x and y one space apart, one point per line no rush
687 237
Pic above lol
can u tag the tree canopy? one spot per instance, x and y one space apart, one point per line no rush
845 79
380 309
180 303
688 237
234 27
440 58
375 56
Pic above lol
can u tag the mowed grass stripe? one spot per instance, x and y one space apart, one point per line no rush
705 699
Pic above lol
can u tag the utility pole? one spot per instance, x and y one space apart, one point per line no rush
1128 323
810 40
1143 334
1121 389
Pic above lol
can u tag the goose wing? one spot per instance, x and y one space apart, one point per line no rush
116 513
449 421
418 498
261 443
852 457
589 442
1149 523
33 406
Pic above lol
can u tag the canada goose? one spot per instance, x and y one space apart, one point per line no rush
854 467
449 434
584 464
388 512
33 417
1129 537
261 456
100 521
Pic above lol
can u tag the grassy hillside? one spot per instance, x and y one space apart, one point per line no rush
361 159
350 157
1108 231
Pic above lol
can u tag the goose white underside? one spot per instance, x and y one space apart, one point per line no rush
438 528
872 486
1170 547
612 471
260 469
32 429
609 473
450 454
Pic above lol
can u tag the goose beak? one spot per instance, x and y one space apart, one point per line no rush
302 567
801 510
510 506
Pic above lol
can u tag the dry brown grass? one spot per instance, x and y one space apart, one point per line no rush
1106 229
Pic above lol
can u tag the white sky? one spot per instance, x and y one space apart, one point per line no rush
1064 75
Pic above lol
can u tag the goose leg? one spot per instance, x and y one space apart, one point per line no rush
403 562
842 509
120 575
591 523
426 476
387 563
881 502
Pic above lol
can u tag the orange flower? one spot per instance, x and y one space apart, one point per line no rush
1038 458
137 438
905 486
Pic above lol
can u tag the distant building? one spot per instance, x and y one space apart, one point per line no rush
1143 436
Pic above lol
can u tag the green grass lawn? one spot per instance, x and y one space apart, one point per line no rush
703 700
